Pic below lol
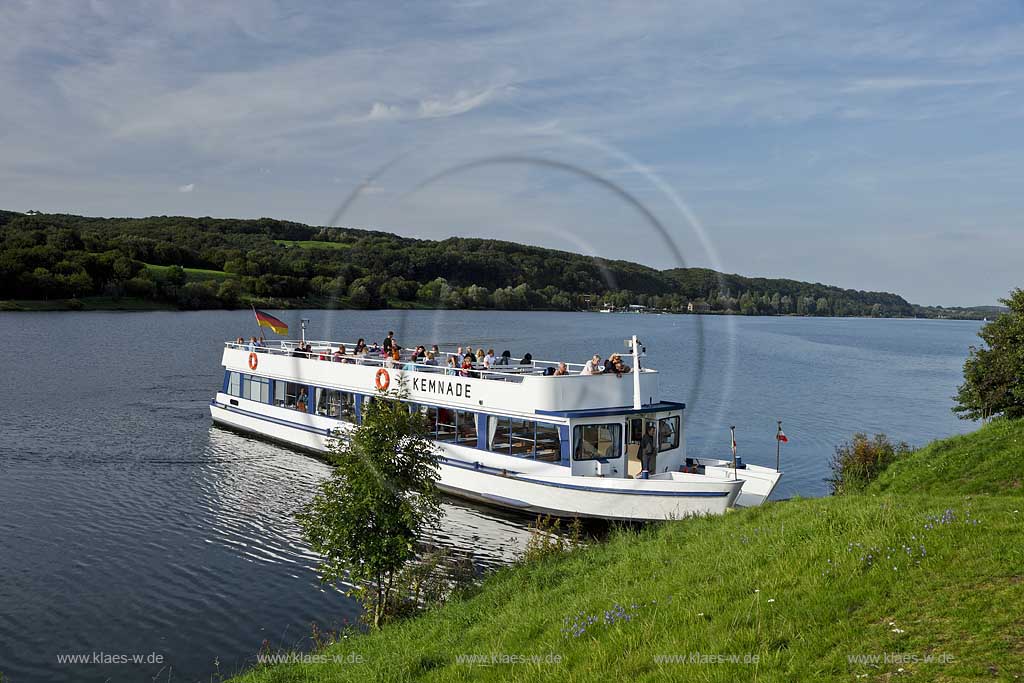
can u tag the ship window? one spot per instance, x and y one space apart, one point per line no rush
430 416
466 425
668 433
523 438
446 427
549 443
593 442
337 404
257 389
235 384
290 395
521 435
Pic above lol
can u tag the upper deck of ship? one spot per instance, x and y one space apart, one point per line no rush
519 388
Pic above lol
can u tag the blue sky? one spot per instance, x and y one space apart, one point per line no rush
869 145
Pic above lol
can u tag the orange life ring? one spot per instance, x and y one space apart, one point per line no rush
383 386
253 360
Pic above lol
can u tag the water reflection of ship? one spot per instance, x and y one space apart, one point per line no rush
255 487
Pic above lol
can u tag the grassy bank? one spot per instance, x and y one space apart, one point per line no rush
916 570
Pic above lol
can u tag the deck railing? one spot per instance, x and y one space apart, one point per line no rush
324 351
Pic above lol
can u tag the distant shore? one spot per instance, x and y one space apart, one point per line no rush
126 303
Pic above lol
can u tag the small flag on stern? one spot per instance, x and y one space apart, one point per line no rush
781 436
267 320
732 437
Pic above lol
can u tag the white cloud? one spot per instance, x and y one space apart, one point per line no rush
187 188
460 103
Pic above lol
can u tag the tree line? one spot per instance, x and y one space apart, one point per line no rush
225 263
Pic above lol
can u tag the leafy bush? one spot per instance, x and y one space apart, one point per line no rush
859 461
994 374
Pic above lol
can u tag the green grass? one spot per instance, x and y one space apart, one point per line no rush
989 460
803 585
192 274
314 244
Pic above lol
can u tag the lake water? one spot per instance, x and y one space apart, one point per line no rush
130 526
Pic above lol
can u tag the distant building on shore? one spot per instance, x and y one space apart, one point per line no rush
697 307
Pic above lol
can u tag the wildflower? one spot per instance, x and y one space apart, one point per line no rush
897 630
771 599
758 590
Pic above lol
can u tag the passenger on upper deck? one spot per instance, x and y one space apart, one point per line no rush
451 368
389 341
480 355
467 366
470 354
360 346
240 341
592 366
616 365
431 358
252 344
339 355
489 359
527 359
563 369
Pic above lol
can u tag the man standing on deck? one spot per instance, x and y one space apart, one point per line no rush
388 342
648 449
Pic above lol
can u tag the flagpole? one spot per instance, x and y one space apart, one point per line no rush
732 436
778 446
259 329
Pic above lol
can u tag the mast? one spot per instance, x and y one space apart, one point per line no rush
635 344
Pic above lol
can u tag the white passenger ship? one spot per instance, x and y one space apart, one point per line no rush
514 435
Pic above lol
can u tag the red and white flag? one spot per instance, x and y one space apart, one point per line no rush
781 436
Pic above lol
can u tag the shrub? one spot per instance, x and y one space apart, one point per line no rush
548 539
859 461
994 373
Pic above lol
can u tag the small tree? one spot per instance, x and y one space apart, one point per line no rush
994 374
382 495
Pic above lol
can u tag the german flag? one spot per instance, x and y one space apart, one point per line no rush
267 320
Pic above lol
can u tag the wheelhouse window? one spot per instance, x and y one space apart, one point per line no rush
335 403
291 395
600 441
668 433
523 438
